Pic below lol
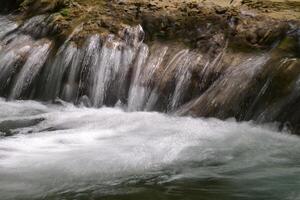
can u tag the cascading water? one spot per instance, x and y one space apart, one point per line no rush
6 26
30 70
110 69
141 93
67 147
136 92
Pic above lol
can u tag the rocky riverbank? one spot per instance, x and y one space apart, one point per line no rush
201 24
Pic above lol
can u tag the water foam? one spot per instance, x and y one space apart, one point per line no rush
78 147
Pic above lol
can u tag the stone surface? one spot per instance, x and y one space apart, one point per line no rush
202 24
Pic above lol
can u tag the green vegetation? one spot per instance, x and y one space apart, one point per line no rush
65 12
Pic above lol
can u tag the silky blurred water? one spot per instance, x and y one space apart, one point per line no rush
59 151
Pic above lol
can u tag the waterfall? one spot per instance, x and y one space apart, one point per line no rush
52 80
25 78
121 69
229 91
144 78
6 26
179 70
70 88
107 67
134 97
11 60
89 65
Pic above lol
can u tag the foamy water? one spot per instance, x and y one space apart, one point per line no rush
71 151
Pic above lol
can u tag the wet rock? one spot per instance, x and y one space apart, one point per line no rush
221 10
8 127
133 36
85 101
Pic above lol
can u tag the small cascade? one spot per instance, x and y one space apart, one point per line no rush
120 69
282 103
228 92
51 79
70 88
90 59
39 26
135 96
143 81
180 56
110 73
105 71
29 72
10 62
13 56
183 78
6 26
133 37
177 76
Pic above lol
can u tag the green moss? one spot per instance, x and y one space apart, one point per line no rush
288 43
240 46
65 12
26 3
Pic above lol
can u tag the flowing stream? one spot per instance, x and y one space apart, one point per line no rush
82 122
65 152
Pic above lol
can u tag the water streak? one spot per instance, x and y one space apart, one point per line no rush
120 69
30 70
6 26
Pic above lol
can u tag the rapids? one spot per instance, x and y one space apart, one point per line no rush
87 153
108 118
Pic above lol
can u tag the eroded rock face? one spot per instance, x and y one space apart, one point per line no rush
205 25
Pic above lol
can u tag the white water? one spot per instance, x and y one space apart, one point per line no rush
53 150
77 149
31 69
109 63
6 26
122 70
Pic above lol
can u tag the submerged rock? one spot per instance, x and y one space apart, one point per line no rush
9 127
